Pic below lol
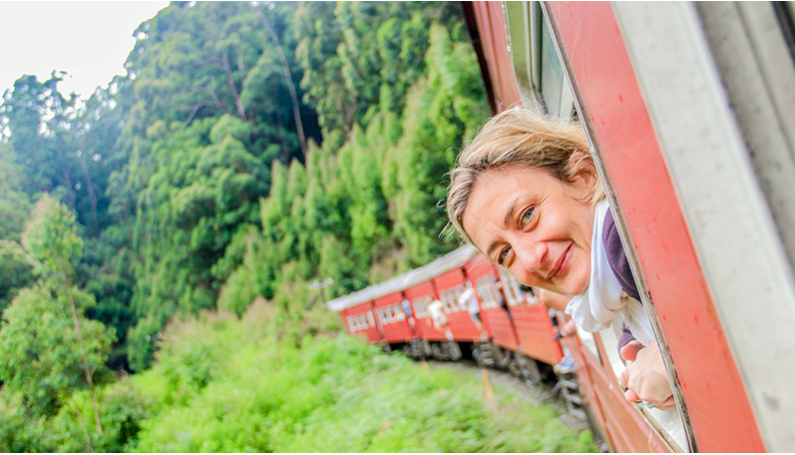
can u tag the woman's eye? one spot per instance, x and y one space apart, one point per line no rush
527 216
503 255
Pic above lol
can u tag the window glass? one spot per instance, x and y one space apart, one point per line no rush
371 319
421 306
458 291
551 71
511 285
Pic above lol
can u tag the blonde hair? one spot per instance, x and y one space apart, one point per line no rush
518 137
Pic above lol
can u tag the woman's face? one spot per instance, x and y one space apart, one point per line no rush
536 226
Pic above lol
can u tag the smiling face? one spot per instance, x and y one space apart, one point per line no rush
535 225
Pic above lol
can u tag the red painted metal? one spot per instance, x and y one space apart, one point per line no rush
424 327
373 332
536 332
495 320
459 321
395 331
614 102
491 26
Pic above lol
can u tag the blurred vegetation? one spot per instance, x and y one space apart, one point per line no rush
222 384
250 150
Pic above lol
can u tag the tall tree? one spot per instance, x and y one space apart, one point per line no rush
47 347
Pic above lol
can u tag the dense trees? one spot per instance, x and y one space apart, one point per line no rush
250 149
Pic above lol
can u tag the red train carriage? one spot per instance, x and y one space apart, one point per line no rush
497 321
533 323
394 321
360 320
421 296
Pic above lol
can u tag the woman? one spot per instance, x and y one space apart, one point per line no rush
526 193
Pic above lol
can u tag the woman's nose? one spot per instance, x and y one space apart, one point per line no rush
531 255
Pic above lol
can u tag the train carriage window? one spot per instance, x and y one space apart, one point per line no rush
513 294
487 292
458 291
542 83
669 423
551 72
421 305
370 319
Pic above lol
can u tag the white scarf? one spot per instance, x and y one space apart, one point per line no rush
604 299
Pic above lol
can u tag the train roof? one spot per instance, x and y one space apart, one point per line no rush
409 279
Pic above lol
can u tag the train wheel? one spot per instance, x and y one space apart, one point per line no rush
437 352
502 357
407 351
481 355
529 370
386 348
514 368
454 351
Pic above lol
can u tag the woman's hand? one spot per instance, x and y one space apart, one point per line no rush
568 329
645 376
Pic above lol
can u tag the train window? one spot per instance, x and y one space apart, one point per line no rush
421 306
458 291
530 296
589 343
551 72
513 294
669 424
370 319
487 292
399 315
542 83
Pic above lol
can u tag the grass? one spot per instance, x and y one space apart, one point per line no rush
225 385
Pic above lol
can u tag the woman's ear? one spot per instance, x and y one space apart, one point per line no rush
584 178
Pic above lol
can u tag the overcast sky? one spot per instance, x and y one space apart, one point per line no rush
89 40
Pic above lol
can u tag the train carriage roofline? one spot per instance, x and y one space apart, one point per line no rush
450 261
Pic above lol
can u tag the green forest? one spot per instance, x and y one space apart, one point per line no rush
158 240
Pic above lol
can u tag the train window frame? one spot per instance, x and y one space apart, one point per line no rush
422 306
526 22
668 424
513 295
582 117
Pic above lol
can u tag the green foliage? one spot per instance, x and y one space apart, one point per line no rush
227 385
16 271
122 410
50 237
40 356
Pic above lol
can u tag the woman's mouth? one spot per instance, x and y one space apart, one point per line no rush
561 264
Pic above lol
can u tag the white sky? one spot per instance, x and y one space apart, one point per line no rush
89 40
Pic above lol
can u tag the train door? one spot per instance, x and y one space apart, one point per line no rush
421 297
481 273
394 321
451 286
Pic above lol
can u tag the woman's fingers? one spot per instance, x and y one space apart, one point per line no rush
631 397
630 351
